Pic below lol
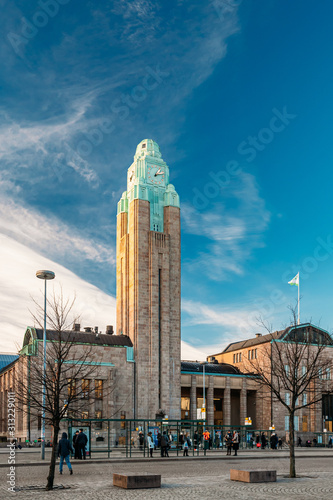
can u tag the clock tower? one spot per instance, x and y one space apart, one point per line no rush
148 281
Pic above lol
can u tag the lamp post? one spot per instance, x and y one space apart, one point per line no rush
44 275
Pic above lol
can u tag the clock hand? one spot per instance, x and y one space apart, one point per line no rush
159 172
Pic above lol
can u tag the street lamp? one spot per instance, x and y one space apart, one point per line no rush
44 275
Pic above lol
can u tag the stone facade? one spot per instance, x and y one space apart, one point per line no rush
148 285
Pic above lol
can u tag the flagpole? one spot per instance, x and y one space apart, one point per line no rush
298 300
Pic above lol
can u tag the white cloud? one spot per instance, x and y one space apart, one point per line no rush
18 282
230 233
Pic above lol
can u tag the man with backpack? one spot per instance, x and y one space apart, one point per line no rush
164 444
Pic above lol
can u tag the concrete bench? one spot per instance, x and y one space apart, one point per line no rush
136 480
253 476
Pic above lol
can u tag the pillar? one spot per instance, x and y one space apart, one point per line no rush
243 402
210 401
227 403
193 398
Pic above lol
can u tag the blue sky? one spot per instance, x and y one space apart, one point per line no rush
238 96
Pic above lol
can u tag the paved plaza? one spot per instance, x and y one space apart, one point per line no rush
184 478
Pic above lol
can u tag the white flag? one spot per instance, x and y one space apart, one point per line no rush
294 281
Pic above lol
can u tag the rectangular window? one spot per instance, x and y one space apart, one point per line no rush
305 423
286 423
286 369
287 398
71 387
99 389
296 402
85 414
234 358
85 388
303 370
328 374
240 357
296 423
320 372
249 354
305 399
255 353
98 425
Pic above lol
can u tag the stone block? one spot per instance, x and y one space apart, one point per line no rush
136 480
253 476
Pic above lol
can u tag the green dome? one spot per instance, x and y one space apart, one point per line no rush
147 147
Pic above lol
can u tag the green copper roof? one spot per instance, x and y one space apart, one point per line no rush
148 179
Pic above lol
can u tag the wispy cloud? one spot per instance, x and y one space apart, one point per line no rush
229 231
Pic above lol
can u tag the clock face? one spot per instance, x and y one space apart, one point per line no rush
156 175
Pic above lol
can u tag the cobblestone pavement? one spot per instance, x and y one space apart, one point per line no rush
181 479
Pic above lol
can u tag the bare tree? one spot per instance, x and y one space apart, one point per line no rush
297 364
66 363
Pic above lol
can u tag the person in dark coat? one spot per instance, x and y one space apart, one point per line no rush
75 445
81 442
164 444
64 447
141 440
263 441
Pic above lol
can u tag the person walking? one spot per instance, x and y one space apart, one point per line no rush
235 442
195 440
64 447
228 442
81 442
75 445
263 441
185 448
150 444
164 444
141 440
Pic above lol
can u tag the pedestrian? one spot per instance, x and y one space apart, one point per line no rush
164 444
228 442
150 444
217 440
330 443
280 443
263 441
235 442
76 446
64 447
299 441
81 442
141 440
185 448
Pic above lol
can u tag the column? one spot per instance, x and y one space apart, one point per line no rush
210 401
193 397
243 402
227 403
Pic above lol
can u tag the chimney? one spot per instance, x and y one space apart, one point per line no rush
76 327
258 335
87 329
109 330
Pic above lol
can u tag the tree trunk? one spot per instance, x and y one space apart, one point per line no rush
50 477
292 445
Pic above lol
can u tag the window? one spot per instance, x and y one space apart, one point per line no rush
99 389
71 387
286 423
249 354
320 373
255 353
240 357
303 370
98 425
296 423
287 398
296 402
305 399
143 146
234 358
305 423
286 369
328 374
84 415
85 388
